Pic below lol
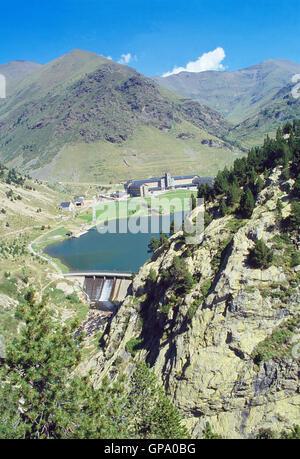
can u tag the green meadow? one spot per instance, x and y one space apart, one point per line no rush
169 202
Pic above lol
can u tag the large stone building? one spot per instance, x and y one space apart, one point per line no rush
167 182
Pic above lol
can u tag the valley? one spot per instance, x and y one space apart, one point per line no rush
206 329
255 100
108 121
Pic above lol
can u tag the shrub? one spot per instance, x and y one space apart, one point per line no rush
207 219
152 276
154 417
208 434
259 185
285 174
192 309
165 309
295 216
294 433
223 209
181 276
260 256
133 346
279 207
295 259
156 243
205 287
194 201
265 434
73 298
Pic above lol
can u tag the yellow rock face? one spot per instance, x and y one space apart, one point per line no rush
205 362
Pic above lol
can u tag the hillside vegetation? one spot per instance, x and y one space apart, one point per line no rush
16 71
282 107
203 345
105 120
218 319
237 95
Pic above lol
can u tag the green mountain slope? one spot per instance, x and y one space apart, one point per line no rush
16 71
81 116
237 95
282 107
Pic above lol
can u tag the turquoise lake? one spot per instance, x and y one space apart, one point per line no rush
109 252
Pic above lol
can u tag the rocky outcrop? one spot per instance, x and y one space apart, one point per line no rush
202 345
7 303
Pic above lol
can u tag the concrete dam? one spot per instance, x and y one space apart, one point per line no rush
103 289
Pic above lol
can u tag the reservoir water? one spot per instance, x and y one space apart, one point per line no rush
109 252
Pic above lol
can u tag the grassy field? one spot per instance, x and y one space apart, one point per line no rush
149 153
106 129
169 202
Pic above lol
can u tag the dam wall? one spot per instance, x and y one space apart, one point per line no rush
103 290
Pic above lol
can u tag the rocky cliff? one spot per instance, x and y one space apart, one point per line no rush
225 352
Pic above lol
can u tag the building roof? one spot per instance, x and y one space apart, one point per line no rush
65 204
141 182
158 179
180 177
185 185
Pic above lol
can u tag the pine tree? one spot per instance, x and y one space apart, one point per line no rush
40 398
194 201
221 182
294 218
259 185
163 239
201 191
178 276
252 177
261 256
172 227
279 207
233 194
247 204
296 187
153 245
208 434
154 415
223 209
207 219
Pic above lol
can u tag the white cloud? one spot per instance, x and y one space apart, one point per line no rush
109 58
208 61
126 58
2 86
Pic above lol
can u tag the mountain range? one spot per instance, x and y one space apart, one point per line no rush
255 100
282 107
236 95
83 117
15 71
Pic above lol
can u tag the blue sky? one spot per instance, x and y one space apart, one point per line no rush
154 35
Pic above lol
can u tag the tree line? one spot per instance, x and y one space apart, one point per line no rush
237 188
